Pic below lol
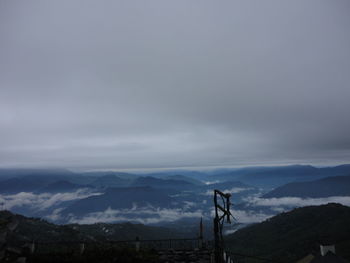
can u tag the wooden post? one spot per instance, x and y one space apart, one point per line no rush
32 247
82 248
137 244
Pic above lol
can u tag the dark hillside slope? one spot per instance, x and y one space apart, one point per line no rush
290 236
62 243
127 231
21 229
25 229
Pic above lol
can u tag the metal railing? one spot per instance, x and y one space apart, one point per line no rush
81 246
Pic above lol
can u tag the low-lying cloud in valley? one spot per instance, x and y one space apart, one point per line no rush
252 209
144 215
42 201
248 217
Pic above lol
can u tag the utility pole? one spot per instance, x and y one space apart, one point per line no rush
221 211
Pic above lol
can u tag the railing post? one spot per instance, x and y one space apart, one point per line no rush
137 244
82 248
200 243
212 258
32 247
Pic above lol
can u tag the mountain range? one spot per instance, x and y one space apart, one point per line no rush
166 197
271 177
329 186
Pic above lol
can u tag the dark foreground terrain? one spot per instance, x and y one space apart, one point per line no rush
287 237
290 236
24 239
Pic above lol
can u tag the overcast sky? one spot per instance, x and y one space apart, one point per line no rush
161 84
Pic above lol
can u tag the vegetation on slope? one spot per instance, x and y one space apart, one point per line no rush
290 236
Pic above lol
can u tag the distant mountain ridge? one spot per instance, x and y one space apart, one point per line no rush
266 177
329 186
61 186
180 177
110 180
162 183
23 184
272 177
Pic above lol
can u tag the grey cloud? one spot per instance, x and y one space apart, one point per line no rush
120 84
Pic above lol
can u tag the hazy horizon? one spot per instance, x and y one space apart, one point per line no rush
147 170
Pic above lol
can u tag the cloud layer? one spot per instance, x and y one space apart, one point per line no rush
254 209
248 216
43 201
168 84
143 215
